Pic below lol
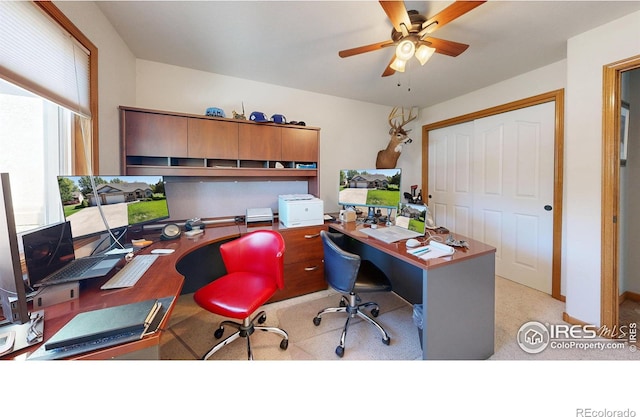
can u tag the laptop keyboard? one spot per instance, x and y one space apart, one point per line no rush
70 272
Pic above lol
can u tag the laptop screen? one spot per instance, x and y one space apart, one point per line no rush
47 249
412 217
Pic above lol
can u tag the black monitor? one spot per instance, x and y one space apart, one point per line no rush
119 202
373 188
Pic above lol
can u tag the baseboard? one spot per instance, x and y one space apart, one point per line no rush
628 295
572 320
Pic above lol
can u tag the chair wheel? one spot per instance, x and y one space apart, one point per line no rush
343 303
316 321
375 312
340 351
218 334
262 318
284 344
386 341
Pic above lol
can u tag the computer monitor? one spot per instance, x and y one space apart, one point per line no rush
13 299
121 201
373 188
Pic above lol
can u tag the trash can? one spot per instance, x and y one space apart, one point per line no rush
417 320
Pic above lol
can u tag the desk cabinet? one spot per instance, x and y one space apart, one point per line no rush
303 262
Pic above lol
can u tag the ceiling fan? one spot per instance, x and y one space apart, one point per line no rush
410 34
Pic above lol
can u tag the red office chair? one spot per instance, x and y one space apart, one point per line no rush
255 271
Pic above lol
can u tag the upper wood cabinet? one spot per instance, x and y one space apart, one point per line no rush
299 145
212 139
176 144
155 134
260 142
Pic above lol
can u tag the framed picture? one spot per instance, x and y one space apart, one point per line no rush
624 132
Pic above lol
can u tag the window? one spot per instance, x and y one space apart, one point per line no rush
40 137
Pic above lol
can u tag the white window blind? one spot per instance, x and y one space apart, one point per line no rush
40 56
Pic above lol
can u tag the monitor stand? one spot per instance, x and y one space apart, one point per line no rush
371 216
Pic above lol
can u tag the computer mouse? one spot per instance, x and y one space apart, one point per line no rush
162 251
412 243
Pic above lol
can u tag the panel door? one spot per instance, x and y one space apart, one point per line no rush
513 183
491 180
450 179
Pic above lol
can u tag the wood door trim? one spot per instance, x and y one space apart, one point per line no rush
611 98
556 96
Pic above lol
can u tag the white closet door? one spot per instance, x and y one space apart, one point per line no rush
450 178
511 175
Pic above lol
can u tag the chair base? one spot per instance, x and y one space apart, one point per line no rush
245 329
350 306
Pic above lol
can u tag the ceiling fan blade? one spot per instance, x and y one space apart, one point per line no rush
367 48
446 47
397 13
450 13
389 71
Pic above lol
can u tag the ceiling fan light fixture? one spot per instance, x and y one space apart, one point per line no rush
405 50
423 53
398 64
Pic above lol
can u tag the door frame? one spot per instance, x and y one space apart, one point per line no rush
556 96
611 99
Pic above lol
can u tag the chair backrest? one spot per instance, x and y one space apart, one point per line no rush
261 252
340 267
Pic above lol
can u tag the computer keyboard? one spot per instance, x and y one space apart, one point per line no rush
131 273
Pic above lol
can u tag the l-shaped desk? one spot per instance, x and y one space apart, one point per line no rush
457 293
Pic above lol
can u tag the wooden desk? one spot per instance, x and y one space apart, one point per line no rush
457 292
159 281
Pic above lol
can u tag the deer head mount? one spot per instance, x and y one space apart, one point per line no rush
388 157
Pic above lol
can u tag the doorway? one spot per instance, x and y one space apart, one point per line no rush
558 98
611 190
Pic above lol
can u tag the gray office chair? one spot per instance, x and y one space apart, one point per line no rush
349 275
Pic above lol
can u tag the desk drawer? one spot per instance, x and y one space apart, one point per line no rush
302 278
302 244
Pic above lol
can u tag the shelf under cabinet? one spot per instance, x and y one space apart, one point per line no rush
220 172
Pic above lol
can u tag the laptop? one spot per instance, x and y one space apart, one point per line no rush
50 258
409 223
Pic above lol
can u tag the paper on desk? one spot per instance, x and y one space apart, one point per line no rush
437 250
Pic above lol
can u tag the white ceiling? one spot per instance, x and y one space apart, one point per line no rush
296 43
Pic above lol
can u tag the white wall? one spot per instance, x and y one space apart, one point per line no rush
542 80
587 53
351 132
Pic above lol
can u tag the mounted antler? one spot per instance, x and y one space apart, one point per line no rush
388 157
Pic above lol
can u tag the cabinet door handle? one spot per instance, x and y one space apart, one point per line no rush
311 236
311 268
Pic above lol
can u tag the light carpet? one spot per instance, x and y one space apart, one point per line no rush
190 332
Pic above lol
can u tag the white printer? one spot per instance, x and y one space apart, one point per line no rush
296 210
